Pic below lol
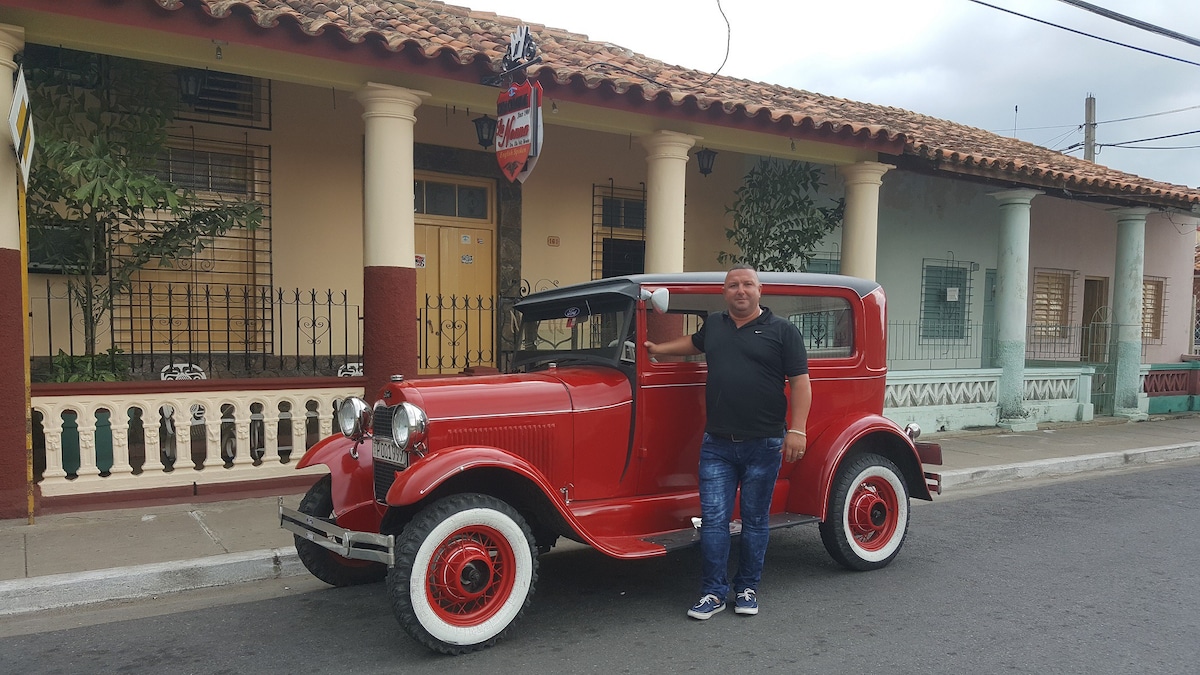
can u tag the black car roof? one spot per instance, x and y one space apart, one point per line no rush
630 285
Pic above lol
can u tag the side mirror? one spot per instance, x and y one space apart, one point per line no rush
659 299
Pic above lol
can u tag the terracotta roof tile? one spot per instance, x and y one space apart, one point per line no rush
437 30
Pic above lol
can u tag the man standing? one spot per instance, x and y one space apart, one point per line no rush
750 353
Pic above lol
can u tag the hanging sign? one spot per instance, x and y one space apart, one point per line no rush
20 125
514 128
519 110
535 131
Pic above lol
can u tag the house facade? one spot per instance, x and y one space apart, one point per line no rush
1024 285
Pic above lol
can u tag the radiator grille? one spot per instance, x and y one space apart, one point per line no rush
385 475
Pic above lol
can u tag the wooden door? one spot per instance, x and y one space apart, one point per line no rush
455 293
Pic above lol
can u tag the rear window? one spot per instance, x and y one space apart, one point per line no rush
826 323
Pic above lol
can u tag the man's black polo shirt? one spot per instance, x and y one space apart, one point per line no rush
747 370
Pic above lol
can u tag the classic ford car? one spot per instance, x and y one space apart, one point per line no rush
451 487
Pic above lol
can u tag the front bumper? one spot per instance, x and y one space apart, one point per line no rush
346 543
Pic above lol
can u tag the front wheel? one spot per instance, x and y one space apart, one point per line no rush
868 513
324 564
465 570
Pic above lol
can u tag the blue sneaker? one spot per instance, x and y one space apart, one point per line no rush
746 602
706 607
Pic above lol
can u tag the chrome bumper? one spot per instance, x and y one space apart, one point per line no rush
346 543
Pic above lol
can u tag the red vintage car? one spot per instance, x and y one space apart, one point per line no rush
451 487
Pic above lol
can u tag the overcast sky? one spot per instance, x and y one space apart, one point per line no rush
952 59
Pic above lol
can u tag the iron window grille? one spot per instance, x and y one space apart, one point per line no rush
1154 291
945 299
1053 290
618 230
229 99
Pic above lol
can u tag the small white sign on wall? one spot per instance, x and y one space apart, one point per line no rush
420 262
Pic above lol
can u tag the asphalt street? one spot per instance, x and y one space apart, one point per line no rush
1094 574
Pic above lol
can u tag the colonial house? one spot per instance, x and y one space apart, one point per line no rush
1024 285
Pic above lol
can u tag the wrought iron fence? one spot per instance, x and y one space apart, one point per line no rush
185 331
456 333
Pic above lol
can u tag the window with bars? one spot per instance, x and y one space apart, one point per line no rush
224 288
224 98
1153 307
945 299
618 230
1052 293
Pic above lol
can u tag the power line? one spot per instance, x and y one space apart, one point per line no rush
1146 140
1079 32
1157 114
1156 147
1130 21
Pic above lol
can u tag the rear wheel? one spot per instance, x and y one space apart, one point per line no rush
465 570
324 564
868 513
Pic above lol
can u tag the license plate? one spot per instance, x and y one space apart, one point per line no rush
389 452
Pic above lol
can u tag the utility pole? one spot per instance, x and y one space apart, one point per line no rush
1089 128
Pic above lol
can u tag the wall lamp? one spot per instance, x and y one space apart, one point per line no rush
705 159
485 130
191 83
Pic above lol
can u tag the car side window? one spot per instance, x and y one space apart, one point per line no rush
827 323
685 317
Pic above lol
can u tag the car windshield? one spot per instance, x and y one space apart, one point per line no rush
594 328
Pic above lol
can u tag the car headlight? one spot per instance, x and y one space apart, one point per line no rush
408 425
354 417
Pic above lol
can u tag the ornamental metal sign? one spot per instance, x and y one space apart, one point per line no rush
519 110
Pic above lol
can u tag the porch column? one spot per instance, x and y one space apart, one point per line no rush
860 225
13 403
1127 310
666 173
389 249
1012 306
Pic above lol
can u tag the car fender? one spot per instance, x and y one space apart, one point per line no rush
424 477
812 477
352 480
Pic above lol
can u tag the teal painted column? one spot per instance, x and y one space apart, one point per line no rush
1012 306
1127 309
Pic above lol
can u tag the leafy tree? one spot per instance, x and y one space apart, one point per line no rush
102 128
776 222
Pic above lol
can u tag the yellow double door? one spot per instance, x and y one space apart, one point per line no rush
456 292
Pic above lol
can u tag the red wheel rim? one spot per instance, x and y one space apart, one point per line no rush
874 513
470 575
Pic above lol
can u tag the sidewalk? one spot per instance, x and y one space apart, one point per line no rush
71 559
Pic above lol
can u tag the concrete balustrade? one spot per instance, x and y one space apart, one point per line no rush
179 439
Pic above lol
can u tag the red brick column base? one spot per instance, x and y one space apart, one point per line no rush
389 325
14 412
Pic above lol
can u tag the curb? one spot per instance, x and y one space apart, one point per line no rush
1060 466
56 591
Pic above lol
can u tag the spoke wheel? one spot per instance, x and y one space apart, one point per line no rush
465 571
867 519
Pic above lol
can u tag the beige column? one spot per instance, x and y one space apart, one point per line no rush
860 226
666 173
388 216
390 341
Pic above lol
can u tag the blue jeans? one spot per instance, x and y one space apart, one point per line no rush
725 464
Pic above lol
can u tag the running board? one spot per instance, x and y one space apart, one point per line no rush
684 538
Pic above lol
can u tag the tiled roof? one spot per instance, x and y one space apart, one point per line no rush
440 31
